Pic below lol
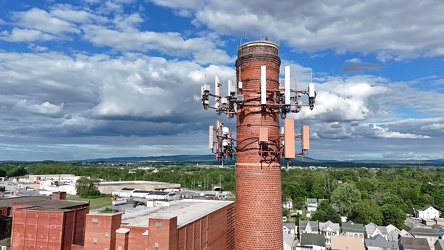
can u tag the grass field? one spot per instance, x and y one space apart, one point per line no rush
94 202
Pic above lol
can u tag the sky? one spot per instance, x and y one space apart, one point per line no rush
93 79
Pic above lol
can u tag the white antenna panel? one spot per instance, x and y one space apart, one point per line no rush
263 85
311 90
287 85
210 137
231 88
225 130
239 85
217 90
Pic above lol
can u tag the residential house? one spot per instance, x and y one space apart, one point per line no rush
378 242
310 227
392 233
311 204
289 241
428 233
427 213
345 242
328 229
311 241
413 244
439 245
288 204
372 229
289 228
353 230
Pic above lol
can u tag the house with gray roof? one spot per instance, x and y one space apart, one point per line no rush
289 241
413 244
428 233
329 229
372 229
306 226
289 228
428 212
354 230
378 242
311 241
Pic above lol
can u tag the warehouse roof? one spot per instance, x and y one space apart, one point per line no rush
42 202
186 211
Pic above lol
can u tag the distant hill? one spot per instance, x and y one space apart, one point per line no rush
306 161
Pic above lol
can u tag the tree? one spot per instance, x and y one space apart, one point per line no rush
87 187
326 212
392 214
345 196
2 172
366 211
16 171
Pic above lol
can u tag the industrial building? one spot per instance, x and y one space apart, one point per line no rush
107 187
44 223
185 224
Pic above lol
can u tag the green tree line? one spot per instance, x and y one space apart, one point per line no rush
389 191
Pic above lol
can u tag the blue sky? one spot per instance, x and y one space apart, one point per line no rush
92 79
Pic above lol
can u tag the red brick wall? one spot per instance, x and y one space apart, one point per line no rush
79 227
4 211
122 239
258 179
37 229
215 231
59 195
136 239
162 233
100 231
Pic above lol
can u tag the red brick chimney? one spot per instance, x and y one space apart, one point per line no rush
258 175
59 195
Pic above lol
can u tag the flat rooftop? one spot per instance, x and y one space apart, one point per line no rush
186 211
123 183
42 202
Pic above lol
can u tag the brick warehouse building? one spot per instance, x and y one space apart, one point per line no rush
44 223
185 224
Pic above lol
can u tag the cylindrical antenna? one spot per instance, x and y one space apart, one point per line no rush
287 85
263 85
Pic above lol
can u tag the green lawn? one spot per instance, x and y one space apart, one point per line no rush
94 202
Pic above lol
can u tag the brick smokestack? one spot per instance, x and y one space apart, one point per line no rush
258 176
59 195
